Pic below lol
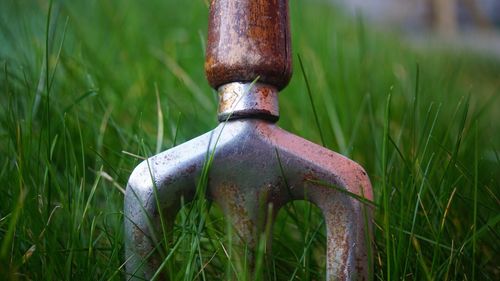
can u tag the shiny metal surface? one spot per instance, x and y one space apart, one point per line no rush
245 178
244 100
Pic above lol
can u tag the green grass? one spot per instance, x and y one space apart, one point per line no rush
90 88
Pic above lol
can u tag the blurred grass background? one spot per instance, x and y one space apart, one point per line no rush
82 86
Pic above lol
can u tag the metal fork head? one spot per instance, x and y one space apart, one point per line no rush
256 164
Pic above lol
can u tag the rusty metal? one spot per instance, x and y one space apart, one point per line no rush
247 100
246 39
255 165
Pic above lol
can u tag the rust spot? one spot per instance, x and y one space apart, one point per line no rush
233 204
265 93
359 266
310 176
189 170
344 248
167 157
276 192
137 234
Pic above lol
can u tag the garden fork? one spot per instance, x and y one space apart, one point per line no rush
256 167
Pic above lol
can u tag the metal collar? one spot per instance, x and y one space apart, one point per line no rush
248 100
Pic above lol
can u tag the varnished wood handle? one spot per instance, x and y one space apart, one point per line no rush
248 39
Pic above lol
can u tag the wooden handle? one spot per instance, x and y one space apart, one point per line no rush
248 39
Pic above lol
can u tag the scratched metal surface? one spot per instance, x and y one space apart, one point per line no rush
245 178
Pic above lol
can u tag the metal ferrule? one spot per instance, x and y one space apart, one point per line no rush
248 100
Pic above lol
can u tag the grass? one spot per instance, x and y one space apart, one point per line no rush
89 88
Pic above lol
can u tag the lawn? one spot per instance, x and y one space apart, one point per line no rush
89 88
